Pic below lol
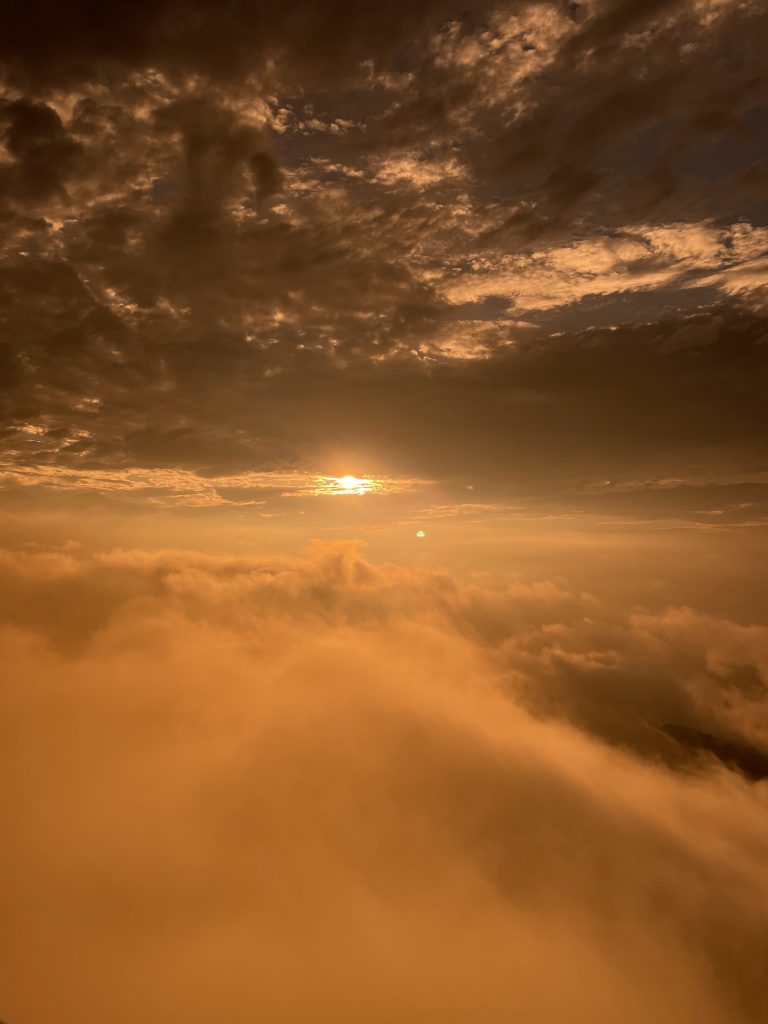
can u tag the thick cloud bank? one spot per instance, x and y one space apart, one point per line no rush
235 236
323 790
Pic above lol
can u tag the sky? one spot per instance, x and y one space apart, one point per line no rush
384 511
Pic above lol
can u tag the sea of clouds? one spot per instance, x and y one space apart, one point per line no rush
319 789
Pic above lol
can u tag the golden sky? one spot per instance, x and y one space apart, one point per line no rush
384 512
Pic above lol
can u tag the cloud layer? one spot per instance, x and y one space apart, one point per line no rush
233 241
319 788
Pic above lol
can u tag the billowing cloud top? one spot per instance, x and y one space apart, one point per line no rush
283 788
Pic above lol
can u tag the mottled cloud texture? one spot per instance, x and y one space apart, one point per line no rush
316 788
483 286
261 238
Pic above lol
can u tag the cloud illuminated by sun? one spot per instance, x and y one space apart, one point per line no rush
178 487
349 485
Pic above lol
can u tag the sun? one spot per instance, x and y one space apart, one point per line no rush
351 483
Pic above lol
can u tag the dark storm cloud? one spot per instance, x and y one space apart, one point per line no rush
660 421
233 237
217 149
46 44
43 152
546 117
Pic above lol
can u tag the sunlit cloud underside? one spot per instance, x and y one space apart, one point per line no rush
337 485
175 487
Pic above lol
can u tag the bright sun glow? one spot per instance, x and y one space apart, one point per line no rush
352 483
348 484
